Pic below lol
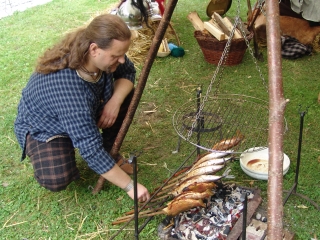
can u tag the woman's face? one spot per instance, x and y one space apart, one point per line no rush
109 59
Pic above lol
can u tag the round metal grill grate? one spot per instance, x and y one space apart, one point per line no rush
224 117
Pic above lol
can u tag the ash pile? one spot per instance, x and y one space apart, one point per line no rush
214 221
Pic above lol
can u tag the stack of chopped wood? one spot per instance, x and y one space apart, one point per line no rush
217 26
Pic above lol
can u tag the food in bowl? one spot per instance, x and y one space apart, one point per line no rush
254 162
259 165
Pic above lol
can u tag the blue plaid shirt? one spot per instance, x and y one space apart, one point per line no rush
62 103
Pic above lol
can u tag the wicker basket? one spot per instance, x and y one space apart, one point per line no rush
212 48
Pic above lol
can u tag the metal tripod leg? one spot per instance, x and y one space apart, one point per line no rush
133 158
179 142
293 189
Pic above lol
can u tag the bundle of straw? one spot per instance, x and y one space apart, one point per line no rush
140 44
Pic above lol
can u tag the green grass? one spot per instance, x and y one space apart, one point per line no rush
31 212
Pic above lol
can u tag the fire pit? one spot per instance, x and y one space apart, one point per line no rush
221 218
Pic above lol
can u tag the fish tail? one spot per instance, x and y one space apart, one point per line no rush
226 173
239 134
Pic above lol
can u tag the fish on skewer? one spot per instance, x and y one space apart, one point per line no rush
212 155
202 178
205 162
208 167
203 171
174 208
201 187
194 191
226 144
181 205
197 172
211 162
195 195
195 187
213 158
178 188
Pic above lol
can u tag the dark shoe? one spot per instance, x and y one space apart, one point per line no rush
124 164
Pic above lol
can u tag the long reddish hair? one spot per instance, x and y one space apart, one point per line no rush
72 50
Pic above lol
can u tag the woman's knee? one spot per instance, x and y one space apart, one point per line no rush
53 163
55 184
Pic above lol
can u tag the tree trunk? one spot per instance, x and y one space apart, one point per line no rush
277 105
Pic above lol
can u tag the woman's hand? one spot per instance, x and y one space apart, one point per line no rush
122 87
119 178
109 114
143 194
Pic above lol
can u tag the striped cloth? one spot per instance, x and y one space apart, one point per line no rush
291 48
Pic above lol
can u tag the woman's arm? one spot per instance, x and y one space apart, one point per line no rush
119 178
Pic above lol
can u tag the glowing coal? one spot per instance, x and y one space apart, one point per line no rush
216 220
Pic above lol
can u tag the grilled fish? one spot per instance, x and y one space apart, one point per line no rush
226 144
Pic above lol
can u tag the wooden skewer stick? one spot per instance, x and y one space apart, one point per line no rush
154 202
165 192
131 212
141 214
118 221
177 178
169 196
168 186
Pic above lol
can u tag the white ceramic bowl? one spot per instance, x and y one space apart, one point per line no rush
254 162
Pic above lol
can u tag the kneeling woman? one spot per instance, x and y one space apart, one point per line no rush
81 85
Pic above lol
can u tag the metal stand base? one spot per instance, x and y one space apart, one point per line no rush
293 189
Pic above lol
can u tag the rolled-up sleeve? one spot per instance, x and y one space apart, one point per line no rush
86 137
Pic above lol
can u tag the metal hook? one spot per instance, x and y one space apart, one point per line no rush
134 154
302 113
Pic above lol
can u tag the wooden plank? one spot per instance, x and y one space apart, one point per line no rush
229 25
214 31
196 21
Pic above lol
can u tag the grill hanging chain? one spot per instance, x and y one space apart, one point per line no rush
220 68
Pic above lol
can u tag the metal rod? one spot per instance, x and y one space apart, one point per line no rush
293 189
306 198
295 185
135 198
302 114
145 223
200 120
244 214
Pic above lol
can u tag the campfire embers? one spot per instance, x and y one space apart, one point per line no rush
214 221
